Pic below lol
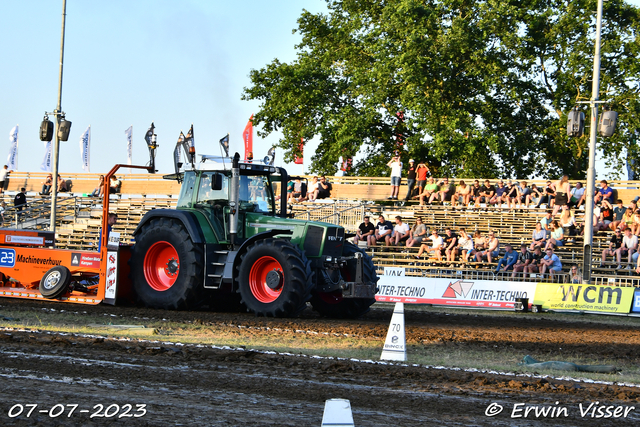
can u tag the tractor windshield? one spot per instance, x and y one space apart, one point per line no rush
255 194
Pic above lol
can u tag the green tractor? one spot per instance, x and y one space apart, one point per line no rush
227 246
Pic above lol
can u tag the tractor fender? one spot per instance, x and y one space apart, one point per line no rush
188 219
233 258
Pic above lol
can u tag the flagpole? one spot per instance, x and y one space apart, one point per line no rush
56 145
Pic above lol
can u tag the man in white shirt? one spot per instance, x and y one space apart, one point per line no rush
437 246
3 177
629 246
400 232
396 174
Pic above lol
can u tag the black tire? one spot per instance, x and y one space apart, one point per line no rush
332 304
55 282
274 278
166 266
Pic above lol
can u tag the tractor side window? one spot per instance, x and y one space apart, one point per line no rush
213 186
186 191
255 194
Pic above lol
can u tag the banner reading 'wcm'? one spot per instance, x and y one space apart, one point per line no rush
610 299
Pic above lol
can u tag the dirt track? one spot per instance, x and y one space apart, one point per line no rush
188 385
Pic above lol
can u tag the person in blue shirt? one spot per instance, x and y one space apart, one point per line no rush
551 263
605 194
509 259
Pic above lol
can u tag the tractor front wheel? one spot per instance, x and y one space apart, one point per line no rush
274 278
166 266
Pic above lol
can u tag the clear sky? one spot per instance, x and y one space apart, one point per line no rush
131 62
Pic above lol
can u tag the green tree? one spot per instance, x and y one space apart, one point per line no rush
484 86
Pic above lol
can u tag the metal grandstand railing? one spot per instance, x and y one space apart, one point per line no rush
36 215
348 215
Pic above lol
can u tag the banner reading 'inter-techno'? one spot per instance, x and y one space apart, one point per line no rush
566 296
394 286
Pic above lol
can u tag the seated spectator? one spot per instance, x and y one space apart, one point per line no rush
97 192
492 249
475 191
62 185
324 189
618 213
524 259
534 196
604 219
313 189
430 192
635 227
465 245
446 191
290 187
437 245
614 244
498 197
576 276
114 185
384 229
450 243
508 260
536 261
511 195
479 242
568 222
365 230
546 221
299 192
401 232
418 233
548 196
521 198
538 237
577 196
629 247
46 185
627 220
462 195
605 193
550 263
557 236
487 191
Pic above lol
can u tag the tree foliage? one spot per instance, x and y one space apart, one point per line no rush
484 86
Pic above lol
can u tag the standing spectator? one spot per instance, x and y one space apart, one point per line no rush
618 214
411 179
550 263
487 192
524 259
114 185
324 188
422 170
437 244
614 244
557 236
509 259
3 207
548 195
401 232
20 201
462 195
604 194
396 176
628 247
112 218
465 245
450 243
418 233
538 236
563 189
97 192
365 230
3 177
430 191
536 260
384 228
492 249
46 185
577 195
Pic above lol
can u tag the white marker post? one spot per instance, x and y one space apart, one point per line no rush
395 346
337 413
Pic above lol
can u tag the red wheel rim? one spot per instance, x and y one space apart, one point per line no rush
264 272
161 266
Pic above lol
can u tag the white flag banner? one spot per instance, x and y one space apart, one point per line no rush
12 160
85 142
46 162
129 133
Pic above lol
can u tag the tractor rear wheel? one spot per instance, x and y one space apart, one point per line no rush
55 282
274 278
166 266
332 304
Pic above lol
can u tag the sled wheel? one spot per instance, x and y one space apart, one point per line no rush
55 282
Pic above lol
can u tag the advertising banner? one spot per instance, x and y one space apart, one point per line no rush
636 301
395 286
566 296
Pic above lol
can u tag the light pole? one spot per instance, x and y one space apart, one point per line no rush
59 114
